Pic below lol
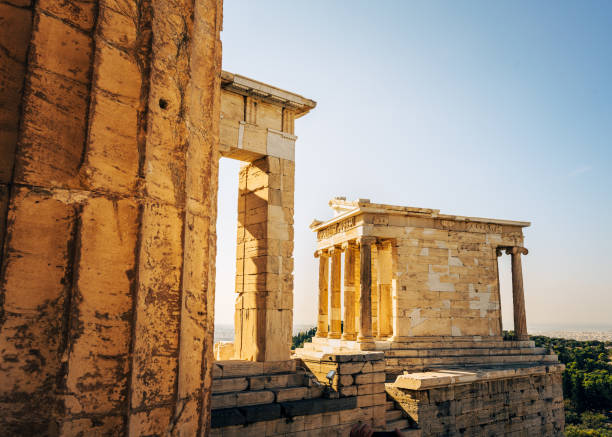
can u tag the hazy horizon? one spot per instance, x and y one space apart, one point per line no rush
490 109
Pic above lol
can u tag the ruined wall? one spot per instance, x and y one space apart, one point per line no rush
108 141
510 402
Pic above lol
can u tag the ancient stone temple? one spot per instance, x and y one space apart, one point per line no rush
423 288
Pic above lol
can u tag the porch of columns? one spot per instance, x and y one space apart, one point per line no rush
518 294
358 292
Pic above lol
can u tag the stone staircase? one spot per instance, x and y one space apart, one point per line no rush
418 355
396 418
239 384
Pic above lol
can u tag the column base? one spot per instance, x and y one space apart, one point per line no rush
349 337
334 335
321 334
366 345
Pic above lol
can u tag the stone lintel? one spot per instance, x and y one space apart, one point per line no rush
269 93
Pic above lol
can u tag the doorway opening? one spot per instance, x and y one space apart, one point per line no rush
225 281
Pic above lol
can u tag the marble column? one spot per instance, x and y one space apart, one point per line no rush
349 291
323 319
384 272
336 278
518 295
365 281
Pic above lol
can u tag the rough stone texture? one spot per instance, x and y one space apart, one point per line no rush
502 402
109 115
247 396
264 270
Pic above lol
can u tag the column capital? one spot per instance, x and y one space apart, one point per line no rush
347 244
321 253
384 244
366 239
517 250
336 248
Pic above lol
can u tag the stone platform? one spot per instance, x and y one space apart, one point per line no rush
502 400
429 353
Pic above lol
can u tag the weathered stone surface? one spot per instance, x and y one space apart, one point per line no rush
108 178
527 401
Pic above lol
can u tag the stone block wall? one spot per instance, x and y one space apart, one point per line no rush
357 374
516 401
276 398
109 117
447 278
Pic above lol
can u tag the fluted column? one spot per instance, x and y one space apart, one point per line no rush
336 278
323 319
349 291
365 281
518 295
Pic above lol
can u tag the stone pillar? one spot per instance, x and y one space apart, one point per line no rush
108 180
349 291
336 277
518 295
384 276
364 338
264 260
374 278
356 276
323 319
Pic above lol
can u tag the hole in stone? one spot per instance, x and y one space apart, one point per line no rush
163 103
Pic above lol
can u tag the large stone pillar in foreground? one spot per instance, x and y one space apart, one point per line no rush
518 294
264 272
108 187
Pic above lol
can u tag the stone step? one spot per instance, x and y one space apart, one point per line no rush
260 397
462 344
451 352
240 368
391 415
410 432
397 424
467 360
429 343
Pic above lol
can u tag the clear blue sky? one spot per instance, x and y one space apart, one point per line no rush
492 109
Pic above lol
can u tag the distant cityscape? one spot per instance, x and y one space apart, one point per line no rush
225 332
